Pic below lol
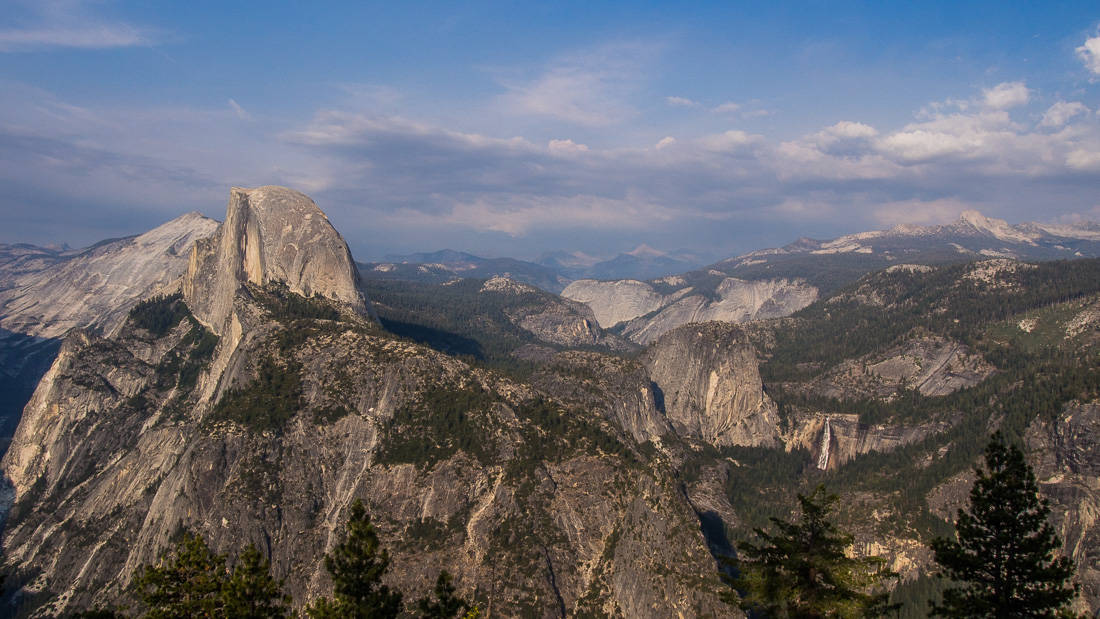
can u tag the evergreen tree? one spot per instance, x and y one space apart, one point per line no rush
801 570
1003 561
251 592
446 604
357 565
187 582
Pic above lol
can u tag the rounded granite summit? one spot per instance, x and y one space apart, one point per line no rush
270 234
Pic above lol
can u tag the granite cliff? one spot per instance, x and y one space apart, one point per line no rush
646 311
710 385
258 401
270 234
46 292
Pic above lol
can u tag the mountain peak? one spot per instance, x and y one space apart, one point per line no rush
643 251
997 228
270 234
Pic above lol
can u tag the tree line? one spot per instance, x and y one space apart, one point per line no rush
1002 562
191 581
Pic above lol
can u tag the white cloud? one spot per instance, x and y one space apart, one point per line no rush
61 24
680 102
1006 95
1084 159
1061 112
1089 53
729 141
665 142
729 107
589 88
849 129
566 147
239 111
960 136
517 217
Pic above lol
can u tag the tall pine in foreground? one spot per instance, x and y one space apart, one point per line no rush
802 570
1003 562
251 592
357 565
192 581
186 582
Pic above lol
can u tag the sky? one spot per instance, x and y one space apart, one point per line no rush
516 128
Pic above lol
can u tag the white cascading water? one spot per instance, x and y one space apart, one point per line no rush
826 438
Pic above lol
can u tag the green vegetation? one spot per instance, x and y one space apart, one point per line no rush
1002 561
286 306
941 302
183 364
802 570
554 432
269 401
192 581
456 318
356 566
442 421
159 314
445 604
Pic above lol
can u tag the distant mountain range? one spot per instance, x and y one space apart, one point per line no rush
778 281
552 271
832 263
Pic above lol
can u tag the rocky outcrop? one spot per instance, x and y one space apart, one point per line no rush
710 385
1066 457
616 301
620 388
548 317
648 314
270 234
95 288
44 293
535 520
849 439
734 300
932 365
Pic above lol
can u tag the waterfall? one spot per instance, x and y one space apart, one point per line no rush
826 438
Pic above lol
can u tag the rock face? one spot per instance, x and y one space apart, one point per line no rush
44 293
541 507
848 438
549 317
1066 456
617 301
269 234
95 288
620 387
649 314
735 301
710 384
934 366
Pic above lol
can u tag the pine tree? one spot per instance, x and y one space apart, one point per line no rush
357 565
1003 560
251 592
446 604
187 582
802 570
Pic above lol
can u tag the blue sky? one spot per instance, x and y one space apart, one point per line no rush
516 128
